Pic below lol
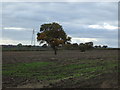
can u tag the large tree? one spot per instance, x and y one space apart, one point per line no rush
52 34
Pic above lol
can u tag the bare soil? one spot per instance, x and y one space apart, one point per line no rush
63 57
9 57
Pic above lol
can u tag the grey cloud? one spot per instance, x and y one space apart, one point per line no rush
62 11
92 33
72 16
17 35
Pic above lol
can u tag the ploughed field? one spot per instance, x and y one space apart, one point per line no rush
67 69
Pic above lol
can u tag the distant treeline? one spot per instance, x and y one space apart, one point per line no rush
23 48
82 47
87 46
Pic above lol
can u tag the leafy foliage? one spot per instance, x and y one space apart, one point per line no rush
85 46
19 45
52 34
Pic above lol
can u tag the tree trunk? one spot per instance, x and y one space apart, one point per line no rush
55 49
55 52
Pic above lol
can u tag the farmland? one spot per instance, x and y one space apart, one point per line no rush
68 69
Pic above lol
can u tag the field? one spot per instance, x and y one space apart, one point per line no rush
68 69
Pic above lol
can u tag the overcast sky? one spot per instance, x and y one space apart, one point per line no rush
83 21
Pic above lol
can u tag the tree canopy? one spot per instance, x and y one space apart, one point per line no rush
53 34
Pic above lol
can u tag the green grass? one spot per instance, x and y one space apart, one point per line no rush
23 69
54 71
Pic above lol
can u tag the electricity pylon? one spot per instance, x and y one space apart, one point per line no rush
33 38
